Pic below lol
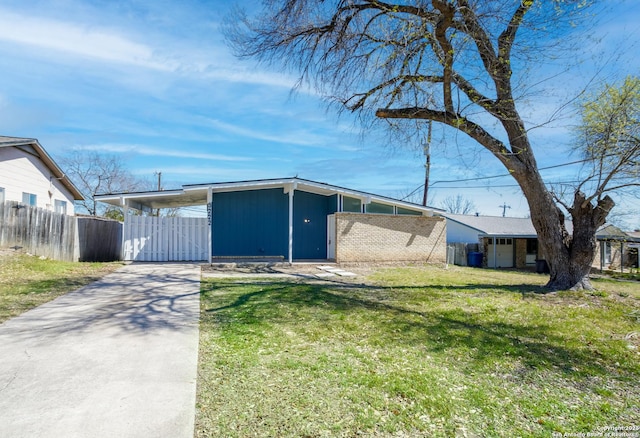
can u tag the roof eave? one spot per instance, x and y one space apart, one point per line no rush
49 162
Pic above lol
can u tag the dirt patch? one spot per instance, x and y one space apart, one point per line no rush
297 271
9 252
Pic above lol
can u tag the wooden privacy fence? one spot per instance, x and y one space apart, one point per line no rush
99 240
59 236
457 252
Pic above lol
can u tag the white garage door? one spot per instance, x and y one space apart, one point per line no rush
503 253
165 239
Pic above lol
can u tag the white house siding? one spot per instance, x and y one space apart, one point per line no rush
21 172
458 233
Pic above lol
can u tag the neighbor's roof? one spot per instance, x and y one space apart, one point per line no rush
611 232
523 227
196 194
496 225
33 147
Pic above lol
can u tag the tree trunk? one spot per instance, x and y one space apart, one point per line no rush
569 256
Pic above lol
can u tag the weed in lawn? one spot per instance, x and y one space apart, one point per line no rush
417 352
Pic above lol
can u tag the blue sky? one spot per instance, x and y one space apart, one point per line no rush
154 82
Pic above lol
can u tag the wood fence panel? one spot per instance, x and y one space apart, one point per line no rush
37 231
99 240
46 233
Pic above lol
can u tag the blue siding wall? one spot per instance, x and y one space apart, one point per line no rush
251 223
310 224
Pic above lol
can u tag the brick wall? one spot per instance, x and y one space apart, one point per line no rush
389 238
521 253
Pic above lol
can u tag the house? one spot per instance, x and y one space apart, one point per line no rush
30 176
617 249
508 242
287 219
505 242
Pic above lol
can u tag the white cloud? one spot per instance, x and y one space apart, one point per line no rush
111 45
297 138
158 152
98 43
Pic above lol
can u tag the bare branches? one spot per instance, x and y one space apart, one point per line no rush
463 124
448 61
97 173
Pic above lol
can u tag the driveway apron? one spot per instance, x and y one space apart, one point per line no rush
117 358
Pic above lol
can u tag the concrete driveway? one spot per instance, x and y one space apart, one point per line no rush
117 358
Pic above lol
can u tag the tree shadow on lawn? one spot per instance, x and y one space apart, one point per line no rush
122 304
482 338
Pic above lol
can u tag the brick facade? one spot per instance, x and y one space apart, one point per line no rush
390 238
521 253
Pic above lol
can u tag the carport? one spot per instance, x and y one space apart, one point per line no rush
290 218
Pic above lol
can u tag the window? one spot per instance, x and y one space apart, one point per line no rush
375 207
606 253
60 206
406 211
532 246
1 195
351 205
29 199
500 241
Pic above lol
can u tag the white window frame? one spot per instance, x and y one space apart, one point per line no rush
33 199
60 206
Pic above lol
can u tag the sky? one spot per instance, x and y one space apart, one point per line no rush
154 82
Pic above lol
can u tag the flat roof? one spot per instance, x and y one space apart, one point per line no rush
196 194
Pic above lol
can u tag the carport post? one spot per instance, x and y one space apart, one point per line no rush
495 255
125 225
291 189
210 221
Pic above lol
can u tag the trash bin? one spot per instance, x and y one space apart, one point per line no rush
474 259
542 267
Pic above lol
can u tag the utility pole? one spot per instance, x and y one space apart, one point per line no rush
159 174
427 154
504 209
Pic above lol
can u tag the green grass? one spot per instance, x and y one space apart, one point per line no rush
27 281
417 352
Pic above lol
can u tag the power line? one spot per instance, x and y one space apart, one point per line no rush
499 176
502 175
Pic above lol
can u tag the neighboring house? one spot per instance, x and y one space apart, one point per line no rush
290 219
508 242
505 242
618 249
30 176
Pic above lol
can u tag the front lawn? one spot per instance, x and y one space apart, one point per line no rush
27 281
417 352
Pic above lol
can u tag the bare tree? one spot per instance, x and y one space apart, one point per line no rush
94 174
458 205
449 61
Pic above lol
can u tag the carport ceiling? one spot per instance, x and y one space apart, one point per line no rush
165 199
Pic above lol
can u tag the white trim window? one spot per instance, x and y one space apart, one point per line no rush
29 199
60 206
